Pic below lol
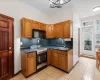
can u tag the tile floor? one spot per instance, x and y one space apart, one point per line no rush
84 70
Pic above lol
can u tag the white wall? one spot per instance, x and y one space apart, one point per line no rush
76 25
17 10
31 12
62 15
11 8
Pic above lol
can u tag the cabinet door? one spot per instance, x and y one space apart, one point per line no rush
26 28
49 57
55 58
31 65
63 62
49 31
35 25
58 30
67 29
42 26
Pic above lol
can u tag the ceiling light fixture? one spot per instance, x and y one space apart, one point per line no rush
96 8
58 3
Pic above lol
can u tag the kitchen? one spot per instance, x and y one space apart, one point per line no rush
52 46
47 45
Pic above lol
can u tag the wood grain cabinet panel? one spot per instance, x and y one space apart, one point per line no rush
35 25
49 56
66 26
31 65
28 63
49 31
26 28
55 58
61 59
43 26
63 62
58 30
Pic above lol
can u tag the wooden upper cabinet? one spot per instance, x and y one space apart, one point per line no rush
56 30
35 25
59 30
26 28
38 25
66 26
42 26
49 31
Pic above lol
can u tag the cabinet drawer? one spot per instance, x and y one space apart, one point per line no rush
31 54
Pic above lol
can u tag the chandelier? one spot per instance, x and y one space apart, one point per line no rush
58 3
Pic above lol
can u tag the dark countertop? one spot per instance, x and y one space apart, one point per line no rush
27 50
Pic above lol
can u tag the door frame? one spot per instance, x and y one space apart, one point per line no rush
12 39
78 42
92 28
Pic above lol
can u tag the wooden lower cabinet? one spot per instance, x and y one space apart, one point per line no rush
28 63
49 56
61 59
55 59
63 62
70 59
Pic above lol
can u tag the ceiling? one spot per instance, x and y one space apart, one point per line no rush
44 6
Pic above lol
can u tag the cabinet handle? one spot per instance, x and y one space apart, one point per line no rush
10 51
9 47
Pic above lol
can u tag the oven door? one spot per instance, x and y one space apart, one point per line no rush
41 58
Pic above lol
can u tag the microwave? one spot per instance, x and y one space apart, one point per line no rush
38 33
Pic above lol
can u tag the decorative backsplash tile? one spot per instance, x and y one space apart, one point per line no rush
44 42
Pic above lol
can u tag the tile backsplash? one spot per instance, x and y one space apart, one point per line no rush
27 42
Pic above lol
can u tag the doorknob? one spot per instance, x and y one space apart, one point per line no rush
10 51
9 47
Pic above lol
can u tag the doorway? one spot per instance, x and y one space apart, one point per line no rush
6 47
87 41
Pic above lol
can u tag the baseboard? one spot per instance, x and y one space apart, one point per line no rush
87 57
17 73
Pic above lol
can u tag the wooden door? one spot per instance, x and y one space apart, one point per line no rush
6 47
26 28
55 58
49 31
67 29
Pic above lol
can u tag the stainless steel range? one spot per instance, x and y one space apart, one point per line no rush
41 58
